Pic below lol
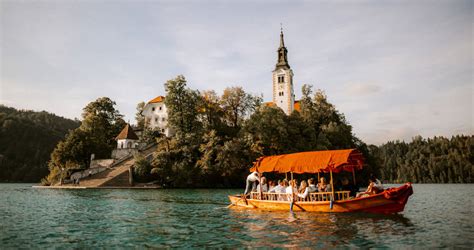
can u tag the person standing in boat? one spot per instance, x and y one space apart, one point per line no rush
252 180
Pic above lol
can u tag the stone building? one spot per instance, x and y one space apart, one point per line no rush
127 143
156 116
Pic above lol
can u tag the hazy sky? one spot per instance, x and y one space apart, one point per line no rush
396 69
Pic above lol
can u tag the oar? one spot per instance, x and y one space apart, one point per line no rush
233 204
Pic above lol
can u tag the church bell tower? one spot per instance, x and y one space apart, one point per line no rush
283 94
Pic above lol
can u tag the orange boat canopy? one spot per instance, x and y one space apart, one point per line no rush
311 162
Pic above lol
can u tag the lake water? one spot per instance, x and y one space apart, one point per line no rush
436 216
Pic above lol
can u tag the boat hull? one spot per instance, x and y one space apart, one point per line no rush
390 201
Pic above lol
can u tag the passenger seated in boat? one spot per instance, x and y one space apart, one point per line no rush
302 187
271 185
277 188
322 185
291 189
378 183
281 190
371 189
311 188
347 186
263 184
251 182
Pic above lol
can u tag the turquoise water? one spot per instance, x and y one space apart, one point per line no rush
436 216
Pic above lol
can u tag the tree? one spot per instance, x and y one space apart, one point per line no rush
139 116
211 112
236 104
96 135
267 130
182 104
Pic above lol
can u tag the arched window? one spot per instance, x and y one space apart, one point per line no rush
121 145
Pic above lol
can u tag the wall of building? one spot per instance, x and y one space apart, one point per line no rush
156 117
120 153
127 143
285 101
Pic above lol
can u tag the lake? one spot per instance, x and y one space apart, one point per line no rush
437 215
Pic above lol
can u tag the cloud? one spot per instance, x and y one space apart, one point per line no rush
362 88
393 69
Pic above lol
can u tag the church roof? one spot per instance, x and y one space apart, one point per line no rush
297 106
157 99
127 133
282 62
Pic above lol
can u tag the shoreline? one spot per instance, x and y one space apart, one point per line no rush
79 187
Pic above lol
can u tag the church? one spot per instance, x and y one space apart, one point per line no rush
156 116
282 77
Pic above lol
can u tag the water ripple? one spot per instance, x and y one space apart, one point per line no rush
436 216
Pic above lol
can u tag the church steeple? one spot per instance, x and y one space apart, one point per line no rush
283 94
282 54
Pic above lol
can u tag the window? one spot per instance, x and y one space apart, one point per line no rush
160 108
153 109
281 79
156 119
163 119
162 130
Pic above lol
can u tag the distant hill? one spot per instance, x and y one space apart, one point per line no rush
27 139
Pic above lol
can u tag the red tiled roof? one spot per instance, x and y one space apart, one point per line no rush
272 104
157 99
297 106
127 133
269 104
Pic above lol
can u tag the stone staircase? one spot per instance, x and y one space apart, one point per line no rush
118 175
106 177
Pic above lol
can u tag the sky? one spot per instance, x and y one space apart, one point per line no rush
395 69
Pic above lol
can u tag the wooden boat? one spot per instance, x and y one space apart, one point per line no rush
392 200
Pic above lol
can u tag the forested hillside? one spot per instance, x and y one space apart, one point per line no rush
436 160
27 139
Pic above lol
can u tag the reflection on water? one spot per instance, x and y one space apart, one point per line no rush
436 216
288 229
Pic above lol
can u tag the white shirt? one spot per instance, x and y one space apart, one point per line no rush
265 188
278 189
290 190
253 177
378 184
310 189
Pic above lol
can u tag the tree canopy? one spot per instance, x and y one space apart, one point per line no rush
26 141
96 135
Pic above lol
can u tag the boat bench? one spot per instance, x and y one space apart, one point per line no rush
318 196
